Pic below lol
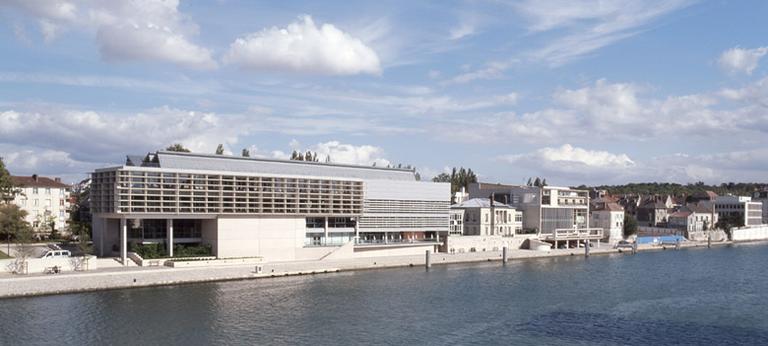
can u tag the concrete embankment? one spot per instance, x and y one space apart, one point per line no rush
132 277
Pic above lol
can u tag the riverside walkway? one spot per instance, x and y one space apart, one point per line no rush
130 277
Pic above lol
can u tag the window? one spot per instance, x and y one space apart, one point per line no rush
35 203
47 190
61 202
34 190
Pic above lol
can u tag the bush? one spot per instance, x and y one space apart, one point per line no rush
149 251
192 250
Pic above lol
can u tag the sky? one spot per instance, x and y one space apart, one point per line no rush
576 91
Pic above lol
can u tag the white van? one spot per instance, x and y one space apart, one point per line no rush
57 254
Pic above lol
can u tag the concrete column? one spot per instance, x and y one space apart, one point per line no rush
124 240
586 248
504 254
386 237
325 238
427 260
357 229
170 237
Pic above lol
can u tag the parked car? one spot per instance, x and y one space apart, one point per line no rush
57 254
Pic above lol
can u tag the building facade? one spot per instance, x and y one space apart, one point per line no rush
743 208
545 209
482 218
276 209
609 217
692 218
46 201
762 197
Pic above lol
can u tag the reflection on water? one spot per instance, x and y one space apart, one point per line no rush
693 296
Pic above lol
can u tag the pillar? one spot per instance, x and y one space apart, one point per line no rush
586 248
427 260
325 228
504 255
124 240
170 237
357 229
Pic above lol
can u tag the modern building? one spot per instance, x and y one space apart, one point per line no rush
481 216
609 217
46 201
275 209
739 207
762 197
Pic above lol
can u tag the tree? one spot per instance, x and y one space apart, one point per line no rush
537 182
220 149
544 182
530 182
246 152
12 221
8 190
418 176
630 225
177 147
442 178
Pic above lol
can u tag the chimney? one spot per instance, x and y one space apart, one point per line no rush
57 179
34 177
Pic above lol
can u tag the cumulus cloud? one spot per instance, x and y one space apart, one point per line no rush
304 47
143 30
365 155
461 31
740 60
571 157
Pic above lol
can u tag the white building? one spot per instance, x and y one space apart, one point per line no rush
609 217
692 218
762 197
480 217
741 207
275 209
45 200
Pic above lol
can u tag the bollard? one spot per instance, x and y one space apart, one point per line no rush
586 248
428 262
677 244
634 247
709 240
504 255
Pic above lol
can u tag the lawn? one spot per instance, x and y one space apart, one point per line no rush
3 255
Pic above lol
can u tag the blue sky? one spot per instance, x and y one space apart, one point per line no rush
575 91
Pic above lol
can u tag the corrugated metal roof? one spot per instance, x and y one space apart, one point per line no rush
176 160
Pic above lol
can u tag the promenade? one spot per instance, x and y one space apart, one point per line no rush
131 277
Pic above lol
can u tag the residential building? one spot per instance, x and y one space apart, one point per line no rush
276 209
545 209
483 216
609 217
653 213
692 218
46 201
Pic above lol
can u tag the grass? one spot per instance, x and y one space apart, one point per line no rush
3 255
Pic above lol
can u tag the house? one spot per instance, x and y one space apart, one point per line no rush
483 216
609 217
692 218
46 201
653 213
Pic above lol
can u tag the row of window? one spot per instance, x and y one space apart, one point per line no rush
36 202
35 191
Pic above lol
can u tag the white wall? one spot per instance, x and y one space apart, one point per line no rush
275 239
750 234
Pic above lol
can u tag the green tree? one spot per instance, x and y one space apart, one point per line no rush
246 152
630 225
8 190
177 147
442 178
537 182
12 221
220 149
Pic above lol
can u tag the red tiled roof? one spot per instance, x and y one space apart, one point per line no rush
40 182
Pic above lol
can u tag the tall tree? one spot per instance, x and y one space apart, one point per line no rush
12 221
537 182
442 178
246 152
8 190
177 147
220 149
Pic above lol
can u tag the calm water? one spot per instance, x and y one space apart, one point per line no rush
698 296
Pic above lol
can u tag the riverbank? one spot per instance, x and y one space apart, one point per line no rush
133 277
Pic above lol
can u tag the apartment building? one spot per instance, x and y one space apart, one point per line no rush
46 201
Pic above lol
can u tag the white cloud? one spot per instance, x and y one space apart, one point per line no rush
365 155
739 60
143 30
461 31
570 157
304 47
98 137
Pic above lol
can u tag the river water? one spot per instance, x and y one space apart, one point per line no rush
713 296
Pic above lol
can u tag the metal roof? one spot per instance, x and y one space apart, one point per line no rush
480 203
192 161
